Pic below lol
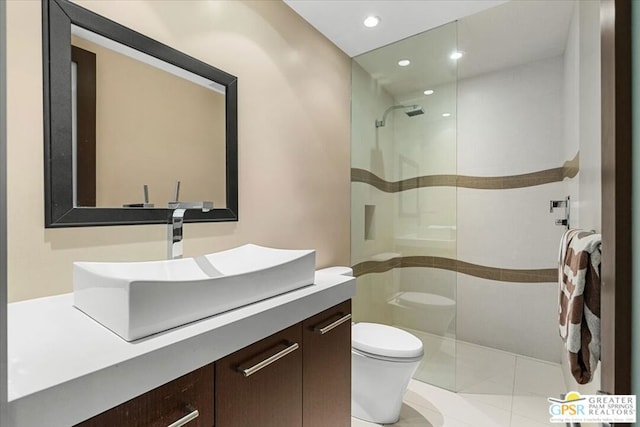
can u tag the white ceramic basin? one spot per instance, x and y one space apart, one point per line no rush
137 299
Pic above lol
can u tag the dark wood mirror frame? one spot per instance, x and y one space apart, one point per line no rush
57 17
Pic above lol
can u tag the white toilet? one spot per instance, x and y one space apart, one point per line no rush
383 360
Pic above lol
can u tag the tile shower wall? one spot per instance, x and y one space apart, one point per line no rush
510 122
371 237
371 150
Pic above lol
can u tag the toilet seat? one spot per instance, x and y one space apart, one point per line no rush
385 342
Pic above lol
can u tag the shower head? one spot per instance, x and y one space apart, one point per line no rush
415 110
411 111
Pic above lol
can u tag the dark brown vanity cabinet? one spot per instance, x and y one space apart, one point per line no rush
326 368
298 377
188 399
261 385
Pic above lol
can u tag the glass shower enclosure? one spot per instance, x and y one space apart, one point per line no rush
403 193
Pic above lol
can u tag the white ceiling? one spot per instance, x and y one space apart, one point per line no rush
341 20
515 33
493 35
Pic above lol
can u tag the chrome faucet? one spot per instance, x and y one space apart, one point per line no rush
175 234
174 248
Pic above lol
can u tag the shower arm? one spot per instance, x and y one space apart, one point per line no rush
381 123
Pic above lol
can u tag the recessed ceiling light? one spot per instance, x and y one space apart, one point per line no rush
456 55
404 62
428 92
446 114
371 21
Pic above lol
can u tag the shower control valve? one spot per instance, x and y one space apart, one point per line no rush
557 204
553 204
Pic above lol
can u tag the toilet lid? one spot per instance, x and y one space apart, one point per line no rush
421 299
383 340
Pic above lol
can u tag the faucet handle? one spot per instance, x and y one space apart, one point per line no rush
175 204
145 203
176 191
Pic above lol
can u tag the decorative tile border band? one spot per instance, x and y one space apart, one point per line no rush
568 170
542 275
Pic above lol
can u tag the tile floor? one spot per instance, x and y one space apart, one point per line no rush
495 388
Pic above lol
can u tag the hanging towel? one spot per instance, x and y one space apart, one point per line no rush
579 301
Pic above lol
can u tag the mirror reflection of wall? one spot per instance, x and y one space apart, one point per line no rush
151 127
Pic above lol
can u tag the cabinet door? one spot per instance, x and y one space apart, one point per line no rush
261 385
160 407
327 368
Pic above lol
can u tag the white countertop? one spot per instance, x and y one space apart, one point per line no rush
64 367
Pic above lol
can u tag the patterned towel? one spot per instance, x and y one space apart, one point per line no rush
579 301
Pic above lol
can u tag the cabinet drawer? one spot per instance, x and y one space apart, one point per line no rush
261 385
326 339
165 405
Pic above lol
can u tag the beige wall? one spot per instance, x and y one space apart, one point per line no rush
294 90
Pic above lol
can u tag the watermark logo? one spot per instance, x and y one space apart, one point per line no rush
593 408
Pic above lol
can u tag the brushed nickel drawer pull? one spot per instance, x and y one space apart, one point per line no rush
184 420
292 346
333 325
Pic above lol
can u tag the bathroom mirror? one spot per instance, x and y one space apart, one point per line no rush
125 113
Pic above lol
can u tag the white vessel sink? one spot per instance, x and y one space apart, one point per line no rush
138 299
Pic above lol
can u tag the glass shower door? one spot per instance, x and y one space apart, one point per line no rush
404 194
